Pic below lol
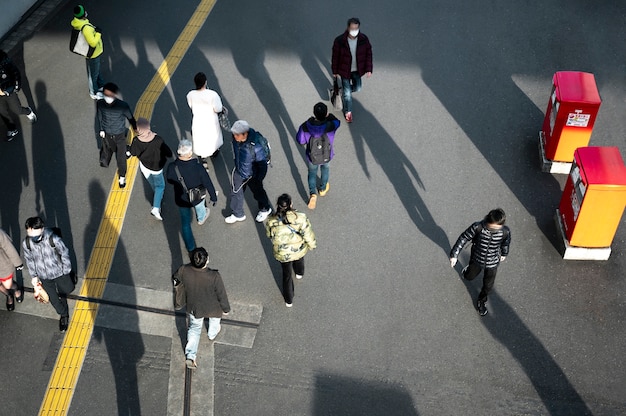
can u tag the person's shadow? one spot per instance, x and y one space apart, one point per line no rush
399 170
554 389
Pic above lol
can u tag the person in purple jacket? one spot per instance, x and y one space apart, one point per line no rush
352 58
318 135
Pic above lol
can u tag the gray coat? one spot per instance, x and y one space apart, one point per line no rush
202 290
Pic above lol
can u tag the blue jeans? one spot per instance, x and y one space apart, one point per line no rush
324 171
185 223
157 183
350 85
193 334
93 75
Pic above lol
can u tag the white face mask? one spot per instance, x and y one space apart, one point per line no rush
109 100
353 33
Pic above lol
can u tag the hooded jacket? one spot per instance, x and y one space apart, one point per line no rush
93 37
292 239
247 153
488 245
316 128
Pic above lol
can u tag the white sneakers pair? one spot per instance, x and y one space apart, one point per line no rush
260 217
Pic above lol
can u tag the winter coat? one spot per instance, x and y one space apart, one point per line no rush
488 245
112 117
93 37
43 260
291 239
9 257
194 175
206 132
247 153
204 292
342 58
315 128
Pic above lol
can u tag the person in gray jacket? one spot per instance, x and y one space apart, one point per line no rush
9 261
490 240
202 290
48 261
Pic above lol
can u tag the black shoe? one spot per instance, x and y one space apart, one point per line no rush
10 306
21 297
63 323
482 308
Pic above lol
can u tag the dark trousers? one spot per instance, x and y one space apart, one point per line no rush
57 290
298 267
10 108
259 170
489 278
117 144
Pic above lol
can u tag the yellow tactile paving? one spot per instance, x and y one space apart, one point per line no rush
72 353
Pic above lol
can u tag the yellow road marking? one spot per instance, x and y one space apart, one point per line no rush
72 354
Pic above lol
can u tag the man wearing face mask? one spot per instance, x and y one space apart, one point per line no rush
48 261
352 58
112 115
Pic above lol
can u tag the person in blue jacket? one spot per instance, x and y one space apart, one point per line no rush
252 156
322 123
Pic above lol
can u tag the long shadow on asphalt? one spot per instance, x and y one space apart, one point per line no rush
340 395
396 165
124 348
554 389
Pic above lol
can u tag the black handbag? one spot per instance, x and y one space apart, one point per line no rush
335 97
105 154
194 195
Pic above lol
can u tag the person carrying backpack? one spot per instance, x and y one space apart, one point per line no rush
48 261
490 240
252 155
317 134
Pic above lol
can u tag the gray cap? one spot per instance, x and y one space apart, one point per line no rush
240 127
184 147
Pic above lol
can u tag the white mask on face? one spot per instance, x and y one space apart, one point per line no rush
109 100
353 33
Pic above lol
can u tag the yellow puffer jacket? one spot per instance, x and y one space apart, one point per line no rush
293 240
93 38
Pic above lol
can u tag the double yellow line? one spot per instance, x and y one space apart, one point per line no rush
72 353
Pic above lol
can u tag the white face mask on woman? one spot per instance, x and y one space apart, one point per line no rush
354 33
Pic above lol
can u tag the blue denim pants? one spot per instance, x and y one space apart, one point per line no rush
157 183
324 171
348 86
194 329
185 223
93 75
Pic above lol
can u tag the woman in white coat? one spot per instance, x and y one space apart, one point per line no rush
205 104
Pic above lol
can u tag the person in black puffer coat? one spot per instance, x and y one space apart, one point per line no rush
10 106
490 240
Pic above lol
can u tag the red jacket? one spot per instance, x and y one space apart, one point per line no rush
342 58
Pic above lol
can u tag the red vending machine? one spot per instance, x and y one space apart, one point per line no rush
571 114
593 201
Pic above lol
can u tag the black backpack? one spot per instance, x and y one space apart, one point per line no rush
318 148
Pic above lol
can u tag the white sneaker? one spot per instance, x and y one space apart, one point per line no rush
32 117
122 181
232 219
289 305
262 215
299 276
156 213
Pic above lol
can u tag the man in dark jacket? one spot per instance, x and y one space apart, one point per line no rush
202 290
251 159
490 245
10 106
352 58
112 115
194 175
316 127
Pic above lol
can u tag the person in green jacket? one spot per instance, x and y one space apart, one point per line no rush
292 237
93 36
